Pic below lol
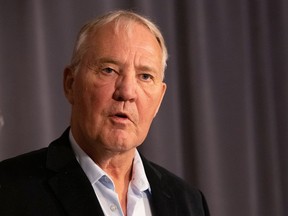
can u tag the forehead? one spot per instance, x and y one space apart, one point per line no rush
117 36
122 26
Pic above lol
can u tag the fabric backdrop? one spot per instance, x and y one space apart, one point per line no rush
223 125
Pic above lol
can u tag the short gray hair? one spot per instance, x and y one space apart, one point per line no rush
120 16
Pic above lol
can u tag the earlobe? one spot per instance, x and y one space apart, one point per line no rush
68 81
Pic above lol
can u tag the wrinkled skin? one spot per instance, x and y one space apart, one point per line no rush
117 91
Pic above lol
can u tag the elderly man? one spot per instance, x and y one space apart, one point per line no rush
115 87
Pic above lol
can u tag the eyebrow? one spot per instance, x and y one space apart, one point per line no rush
147 68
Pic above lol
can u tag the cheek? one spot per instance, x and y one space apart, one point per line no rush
92 101
85 98
90 91
147 109
153 99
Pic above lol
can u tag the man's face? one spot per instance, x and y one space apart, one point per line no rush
118 89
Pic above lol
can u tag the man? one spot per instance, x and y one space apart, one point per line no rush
115 87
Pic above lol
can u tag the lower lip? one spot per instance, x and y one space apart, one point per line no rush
119 120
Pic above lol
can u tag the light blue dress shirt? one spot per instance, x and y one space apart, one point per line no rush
138 192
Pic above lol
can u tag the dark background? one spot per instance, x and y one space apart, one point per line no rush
223 125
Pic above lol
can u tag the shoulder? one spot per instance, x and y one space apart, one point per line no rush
171 179
187 198
34 162
24 164
159 173
20 178
26 159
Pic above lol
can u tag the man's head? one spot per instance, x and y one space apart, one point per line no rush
115 82
121 19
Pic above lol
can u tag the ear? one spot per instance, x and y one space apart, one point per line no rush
163 90
68 83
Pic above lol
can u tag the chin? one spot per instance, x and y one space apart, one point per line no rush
121 145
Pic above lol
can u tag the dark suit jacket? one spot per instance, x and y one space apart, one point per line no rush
51 182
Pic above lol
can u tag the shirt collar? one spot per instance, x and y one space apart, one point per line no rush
91 169
94 173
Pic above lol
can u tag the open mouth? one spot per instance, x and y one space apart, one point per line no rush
121 115
122 118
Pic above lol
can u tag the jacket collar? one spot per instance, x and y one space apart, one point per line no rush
162 199
69 183
74 191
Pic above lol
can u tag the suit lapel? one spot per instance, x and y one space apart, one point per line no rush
162 197
69 182
73 189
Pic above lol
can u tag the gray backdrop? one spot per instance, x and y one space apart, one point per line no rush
223 125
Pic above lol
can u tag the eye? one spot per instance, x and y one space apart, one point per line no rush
146 77
108 70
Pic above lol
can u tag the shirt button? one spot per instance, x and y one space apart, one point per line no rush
113 208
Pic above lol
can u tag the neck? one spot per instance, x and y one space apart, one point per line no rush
119 168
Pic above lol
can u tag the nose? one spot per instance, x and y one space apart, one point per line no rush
125 88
